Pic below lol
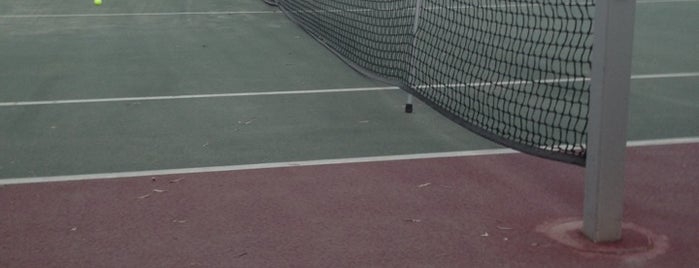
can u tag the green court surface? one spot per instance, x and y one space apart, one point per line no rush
72 50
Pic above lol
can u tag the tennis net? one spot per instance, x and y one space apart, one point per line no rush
515 72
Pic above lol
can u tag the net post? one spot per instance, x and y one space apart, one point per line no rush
608 118
413 54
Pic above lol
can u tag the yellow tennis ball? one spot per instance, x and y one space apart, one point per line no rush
98 2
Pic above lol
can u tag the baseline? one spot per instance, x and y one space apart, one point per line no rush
116 175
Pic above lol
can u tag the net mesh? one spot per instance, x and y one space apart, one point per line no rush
512 71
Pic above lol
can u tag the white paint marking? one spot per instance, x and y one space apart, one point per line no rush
208 13
323 91
146 14
150 173
674 141
198 96
665 1
254 166
662 76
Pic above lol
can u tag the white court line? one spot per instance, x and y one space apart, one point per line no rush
198 96
316 91
387 158
144 14
254 166
661 76
664 1
675 141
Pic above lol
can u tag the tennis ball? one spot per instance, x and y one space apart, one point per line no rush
98 2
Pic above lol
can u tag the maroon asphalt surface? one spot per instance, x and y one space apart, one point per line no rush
416 213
